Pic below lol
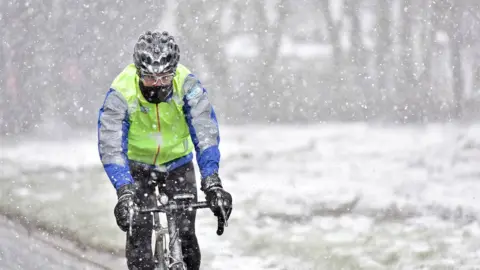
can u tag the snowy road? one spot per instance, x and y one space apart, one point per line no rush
346 196
22 248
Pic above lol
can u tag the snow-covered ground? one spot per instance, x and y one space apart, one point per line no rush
26 248
333 196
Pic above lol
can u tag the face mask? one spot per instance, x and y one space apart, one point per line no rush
156 94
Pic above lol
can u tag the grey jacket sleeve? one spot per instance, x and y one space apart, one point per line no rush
113 126
203 125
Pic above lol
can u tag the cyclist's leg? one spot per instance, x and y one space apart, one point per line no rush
182 180
138 247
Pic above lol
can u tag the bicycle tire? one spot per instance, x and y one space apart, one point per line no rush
159 247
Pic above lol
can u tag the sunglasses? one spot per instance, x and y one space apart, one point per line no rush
156 78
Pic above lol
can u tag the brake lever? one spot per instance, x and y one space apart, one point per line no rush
131 214
222 220
221 226
224 215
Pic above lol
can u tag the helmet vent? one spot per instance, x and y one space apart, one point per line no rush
155 52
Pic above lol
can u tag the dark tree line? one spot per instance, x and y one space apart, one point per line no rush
263 61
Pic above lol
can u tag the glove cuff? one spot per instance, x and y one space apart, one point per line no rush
125 191
210 182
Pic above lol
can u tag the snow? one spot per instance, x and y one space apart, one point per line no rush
244 46
323 196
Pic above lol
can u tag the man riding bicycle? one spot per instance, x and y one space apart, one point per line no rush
154 114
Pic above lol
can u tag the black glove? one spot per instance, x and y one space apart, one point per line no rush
217 198
125 202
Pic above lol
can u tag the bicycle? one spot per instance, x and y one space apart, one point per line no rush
170 257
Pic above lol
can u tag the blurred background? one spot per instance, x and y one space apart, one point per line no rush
391 61
350 136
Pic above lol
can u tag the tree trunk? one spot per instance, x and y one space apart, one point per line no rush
455 43
202 31
338 69
359 72
384 57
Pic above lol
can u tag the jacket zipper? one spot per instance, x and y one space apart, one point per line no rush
158 127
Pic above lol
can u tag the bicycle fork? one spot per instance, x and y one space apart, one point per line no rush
159 248
175 245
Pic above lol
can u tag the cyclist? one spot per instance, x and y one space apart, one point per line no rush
154 114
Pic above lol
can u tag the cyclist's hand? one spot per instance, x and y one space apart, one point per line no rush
220 202
124 206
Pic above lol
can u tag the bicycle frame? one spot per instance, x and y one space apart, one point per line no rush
169 257
167 250
160 251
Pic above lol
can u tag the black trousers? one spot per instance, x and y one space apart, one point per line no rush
138 248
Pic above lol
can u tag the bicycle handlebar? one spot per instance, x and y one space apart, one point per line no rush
175 206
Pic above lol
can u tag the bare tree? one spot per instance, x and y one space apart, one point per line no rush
201 28
384 62
360 73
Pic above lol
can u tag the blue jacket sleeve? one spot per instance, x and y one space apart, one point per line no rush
203 126
113 128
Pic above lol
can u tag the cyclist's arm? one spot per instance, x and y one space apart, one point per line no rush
113 128
203 126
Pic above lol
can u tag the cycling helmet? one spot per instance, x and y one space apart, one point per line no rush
156 52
